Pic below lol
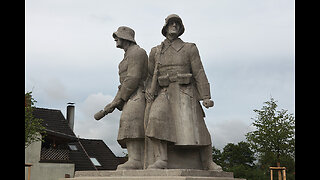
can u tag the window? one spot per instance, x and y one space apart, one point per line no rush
73 147
95 161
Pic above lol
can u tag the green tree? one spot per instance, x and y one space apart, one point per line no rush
239 159
216 155
274 137
248 173
33 126
238 154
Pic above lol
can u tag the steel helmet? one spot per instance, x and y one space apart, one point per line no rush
176 17
124 32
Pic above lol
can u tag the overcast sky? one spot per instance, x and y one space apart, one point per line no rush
246 46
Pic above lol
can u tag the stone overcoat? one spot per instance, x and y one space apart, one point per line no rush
132 74
176 114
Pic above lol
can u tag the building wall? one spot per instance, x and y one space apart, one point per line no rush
44 171
50 171
32 153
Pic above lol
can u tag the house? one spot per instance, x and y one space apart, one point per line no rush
92 154
61 153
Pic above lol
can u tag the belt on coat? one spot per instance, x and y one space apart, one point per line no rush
165 80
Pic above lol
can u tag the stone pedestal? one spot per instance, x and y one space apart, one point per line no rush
165 174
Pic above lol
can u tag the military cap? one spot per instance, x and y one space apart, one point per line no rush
171 17
124 32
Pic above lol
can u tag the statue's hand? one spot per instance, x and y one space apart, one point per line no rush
207 103
115 103
109 108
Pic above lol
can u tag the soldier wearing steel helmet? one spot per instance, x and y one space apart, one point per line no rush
176 115
130 97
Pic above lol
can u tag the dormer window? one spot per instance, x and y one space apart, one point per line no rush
95 161
73 147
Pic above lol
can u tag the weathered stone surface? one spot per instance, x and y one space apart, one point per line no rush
175 85
152 178
168 174
130 97
162 122
158 172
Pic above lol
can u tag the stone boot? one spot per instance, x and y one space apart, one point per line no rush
206 159
130 164
210 165
159 164
160 151
134 156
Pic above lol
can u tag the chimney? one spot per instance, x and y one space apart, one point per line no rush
70 115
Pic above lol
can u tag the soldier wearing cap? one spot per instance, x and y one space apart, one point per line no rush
130 97
176 115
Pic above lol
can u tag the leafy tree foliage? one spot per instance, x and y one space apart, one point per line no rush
249 173
271 143
236 154
216 155
275 132
33 126
239 159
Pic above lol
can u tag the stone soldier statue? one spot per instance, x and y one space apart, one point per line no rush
176 115
130 97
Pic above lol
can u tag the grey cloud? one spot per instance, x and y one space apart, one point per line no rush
229 131
106 128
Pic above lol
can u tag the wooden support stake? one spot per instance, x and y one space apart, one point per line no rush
280 169
279 172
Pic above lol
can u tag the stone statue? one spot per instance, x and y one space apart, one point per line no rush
162 121
130 98
175 115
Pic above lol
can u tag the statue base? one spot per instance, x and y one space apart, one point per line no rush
162 174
